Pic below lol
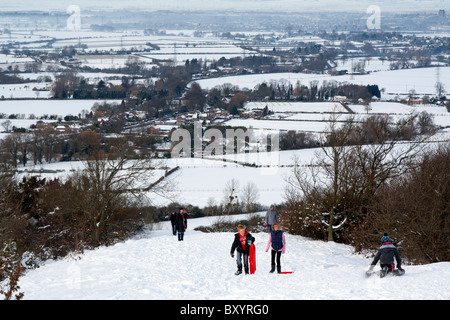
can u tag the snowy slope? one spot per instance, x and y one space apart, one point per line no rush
157 266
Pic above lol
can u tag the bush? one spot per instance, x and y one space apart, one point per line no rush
46 221
415 210
10 271
295 220
225 224
363 185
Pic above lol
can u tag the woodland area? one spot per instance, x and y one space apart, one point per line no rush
94 206
367 180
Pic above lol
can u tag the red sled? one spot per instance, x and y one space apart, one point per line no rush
252 259
287 272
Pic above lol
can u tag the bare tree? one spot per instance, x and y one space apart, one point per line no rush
65 84
230 192
323 183
415 208
249 196
440 89
7 125
338 187
334 164
14 149
43 143
114 180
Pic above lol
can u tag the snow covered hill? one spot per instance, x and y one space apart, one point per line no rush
158 266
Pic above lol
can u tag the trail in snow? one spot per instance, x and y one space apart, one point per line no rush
158 266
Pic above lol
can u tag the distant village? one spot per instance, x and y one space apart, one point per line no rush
150 87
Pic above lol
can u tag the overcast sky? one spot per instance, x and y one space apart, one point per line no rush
229 5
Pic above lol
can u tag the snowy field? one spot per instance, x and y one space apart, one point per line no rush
297 125
39 108
24 91
195 48
202 182
314 117
157 266
368 64
297 107
395 82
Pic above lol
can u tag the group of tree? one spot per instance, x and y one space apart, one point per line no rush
170 84
330 89
374 177
97 204
70 85
6 78
420 49
232 98
44 144
251 61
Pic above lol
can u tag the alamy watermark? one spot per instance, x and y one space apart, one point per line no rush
257 147
374 20
74 21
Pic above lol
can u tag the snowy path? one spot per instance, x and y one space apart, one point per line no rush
200 268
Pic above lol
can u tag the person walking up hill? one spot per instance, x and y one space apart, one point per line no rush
181 223
271 217
278 243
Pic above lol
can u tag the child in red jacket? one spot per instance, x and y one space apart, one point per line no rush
242 242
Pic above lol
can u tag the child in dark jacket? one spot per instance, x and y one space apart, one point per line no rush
385 255
278 243
173 221
241 244
181 223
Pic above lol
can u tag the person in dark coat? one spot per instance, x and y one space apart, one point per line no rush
241 244
173 221
385 255
181 223
271 217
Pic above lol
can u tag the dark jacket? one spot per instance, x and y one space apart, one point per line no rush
173 217
181 222
237 243
386 255
277 239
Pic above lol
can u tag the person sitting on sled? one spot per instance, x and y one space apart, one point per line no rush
385 255
242 242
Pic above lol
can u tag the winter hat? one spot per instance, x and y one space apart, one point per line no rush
385 239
